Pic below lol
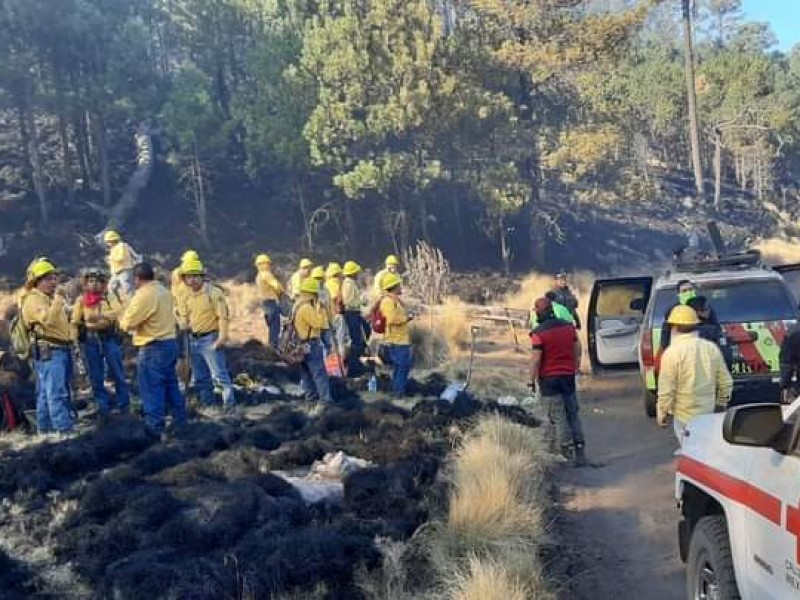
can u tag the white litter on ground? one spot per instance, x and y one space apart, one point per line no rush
324 479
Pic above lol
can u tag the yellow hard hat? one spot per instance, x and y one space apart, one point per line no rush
390 280
190 255
309 285
392 261
333 270
318 273
351 268
40 268
263 259
111 236
193 267
683 315
306 264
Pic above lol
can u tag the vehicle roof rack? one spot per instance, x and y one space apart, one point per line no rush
727 262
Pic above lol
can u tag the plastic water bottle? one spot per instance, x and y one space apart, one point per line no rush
372 386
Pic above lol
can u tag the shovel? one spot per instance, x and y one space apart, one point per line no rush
455 388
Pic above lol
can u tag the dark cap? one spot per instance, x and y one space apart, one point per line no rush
562 274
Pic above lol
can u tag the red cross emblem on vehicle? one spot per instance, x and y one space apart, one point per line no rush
793 526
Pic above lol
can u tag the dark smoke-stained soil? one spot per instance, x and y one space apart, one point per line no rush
118 515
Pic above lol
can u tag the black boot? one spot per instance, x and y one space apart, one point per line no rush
580 456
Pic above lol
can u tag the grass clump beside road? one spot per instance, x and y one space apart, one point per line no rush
488 546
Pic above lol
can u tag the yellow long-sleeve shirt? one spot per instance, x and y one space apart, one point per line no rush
397 330
293 289
693 378
150 315
205 311
178 287
377 283
120 258
269 288
309 319
99 317
47 316
351 295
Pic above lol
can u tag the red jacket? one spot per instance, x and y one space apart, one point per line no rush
556 340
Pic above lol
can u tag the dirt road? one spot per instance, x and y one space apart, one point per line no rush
619 520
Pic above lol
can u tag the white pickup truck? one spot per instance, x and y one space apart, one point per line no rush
738 488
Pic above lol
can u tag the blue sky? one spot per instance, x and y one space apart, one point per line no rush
783 15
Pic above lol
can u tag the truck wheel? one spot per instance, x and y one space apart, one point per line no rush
649 398
709 566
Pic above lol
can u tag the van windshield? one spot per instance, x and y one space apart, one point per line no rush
736 301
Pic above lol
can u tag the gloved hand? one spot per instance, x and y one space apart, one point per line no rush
220 343
662 419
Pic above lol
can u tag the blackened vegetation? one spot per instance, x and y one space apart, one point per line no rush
202 516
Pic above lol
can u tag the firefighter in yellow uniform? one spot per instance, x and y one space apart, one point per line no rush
43 313
177 286
333 286
121 260
310 321
357 326
150 317
95 316
303 271
270 291
397 337
391 265
204 313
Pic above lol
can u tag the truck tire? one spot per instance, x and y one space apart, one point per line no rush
649 398
709 566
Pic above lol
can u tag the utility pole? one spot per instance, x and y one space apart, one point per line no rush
694 127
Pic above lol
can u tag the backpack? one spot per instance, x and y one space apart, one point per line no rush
377 319
11 417
21 337
291 349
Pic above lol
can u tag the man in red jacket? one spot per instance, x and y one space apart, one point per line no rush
555 360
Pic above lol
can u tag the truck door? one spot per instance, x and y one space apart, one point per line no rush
614 320
774 533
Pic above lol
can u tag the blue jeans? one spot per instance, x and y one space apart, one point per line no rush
313 376
272 315
207 365
400 355
102 352
52 394
562 388
158 384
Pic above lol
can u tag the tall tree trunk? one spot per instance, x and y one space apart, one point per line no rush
201 203
423 216
350 225
505 251
717 172
82 149
691 95
308 237
101 142
67 179
37 169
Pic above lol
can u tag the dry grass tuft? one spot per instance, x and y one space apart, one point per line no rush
452 320
487 548
430 347
536 285
778 251
487 579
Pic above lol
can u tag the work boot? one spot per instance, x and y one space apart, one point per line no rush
580 456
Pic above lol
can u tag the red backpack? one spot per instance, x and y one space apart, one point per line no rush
377 319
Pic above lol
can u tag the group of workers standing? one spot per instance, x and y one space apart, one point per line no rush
324 308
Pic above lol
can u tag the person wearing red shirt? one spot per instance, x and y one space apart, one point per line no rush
555 361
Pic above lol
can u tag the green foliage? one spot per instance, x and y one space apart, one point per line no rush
427 110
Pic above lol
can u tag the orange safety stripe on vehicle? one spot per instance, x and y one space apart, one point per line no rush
746 494
738 334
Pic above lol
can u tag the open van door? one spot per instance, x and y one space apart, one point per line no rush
614 320
791 275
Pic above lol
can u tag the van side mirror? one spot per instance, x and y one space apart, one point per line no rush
757 425
638 304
